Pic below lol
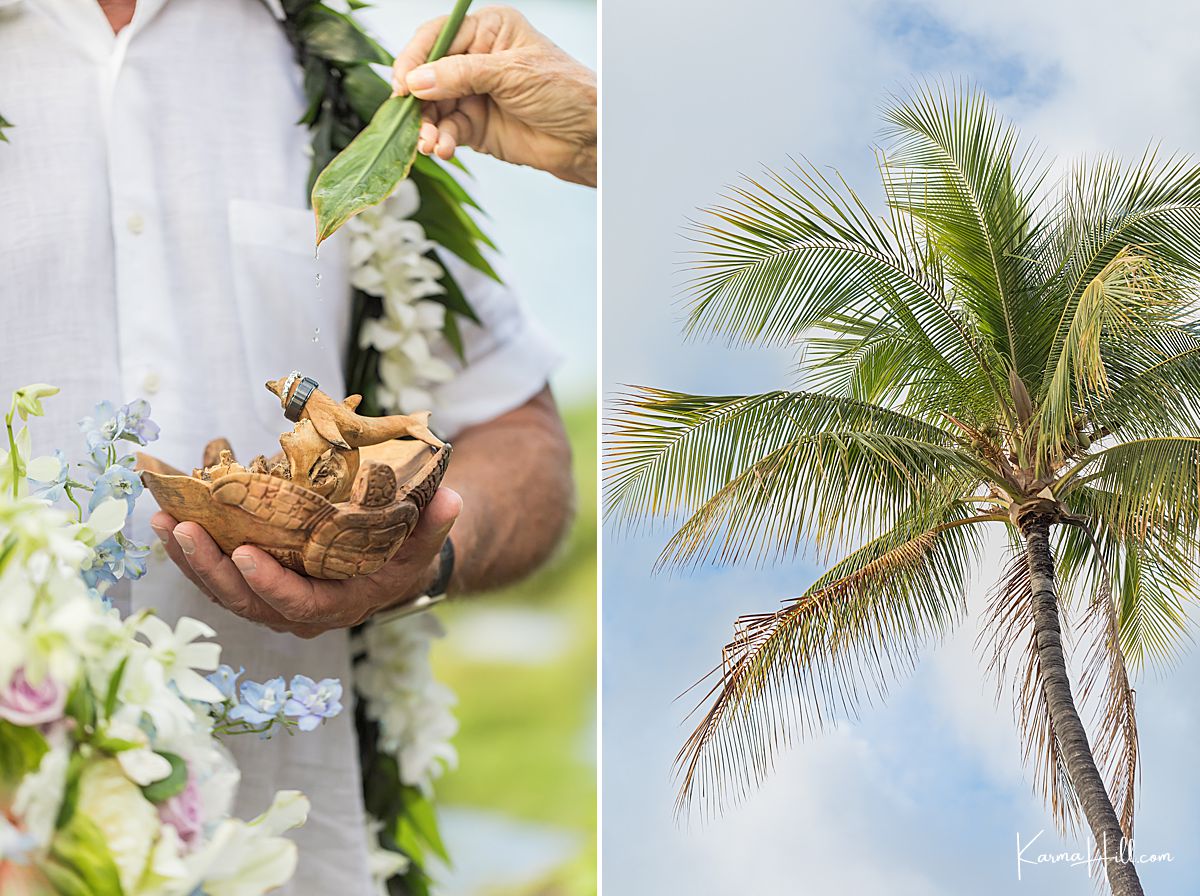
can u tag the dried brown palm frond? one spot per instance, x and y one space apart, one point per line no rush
794 672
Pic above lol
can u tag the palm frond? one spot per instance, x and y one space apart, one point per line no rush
955 165
1118 310
1087 562
800 253
762 473
1153 574
790 673
1141 485
1105 209
823 491
1156 397
1106 682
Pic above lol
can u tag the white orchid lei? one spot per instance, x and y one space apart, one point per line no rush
392 259
113 781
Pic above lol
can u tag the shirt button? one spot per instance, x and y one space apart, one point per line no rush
151 383
136 224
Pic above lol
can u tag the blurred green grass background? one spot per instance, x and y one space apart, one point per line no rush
519 812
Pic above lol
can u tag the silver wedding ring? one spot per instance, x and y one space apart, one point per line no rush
287 387
299 398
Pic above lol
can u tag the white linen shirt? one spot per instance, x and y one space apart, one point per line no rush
155 242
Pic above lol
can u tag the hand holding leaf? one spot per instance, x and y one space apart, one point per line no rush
367 171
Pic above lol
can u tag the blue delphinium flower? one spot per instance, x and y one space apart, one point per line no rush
99 462
260 702
53 489
138 425
312 702
135 557
109 423
225 680
105 426
116 482
108 561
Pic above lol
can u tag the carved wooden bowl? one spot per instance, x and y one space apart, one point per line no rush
298 527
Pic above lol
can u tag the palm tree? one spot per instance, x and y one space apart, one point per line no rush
995 351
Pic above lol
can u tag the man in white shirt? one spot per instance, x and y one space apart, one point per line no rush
155 242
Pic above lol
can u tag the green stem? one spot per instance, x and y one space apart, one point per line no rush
449 31
71 498
444 39
13 457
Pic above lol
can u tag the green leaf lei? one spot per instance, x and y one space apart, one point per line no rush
343 93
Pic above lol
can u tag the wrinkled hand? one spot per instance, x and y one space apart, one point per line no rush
254 585
506 90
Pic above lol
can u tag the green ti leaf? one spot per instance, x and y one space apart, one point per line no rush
366 172
335 36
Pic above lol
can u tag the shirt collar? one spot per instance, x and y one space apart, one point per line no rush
85 21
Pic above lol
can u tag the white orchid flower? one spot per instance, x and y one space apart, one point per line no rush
249 859
141 765
180 655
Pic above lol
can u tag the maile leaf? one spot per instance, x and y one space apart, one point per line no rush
366 172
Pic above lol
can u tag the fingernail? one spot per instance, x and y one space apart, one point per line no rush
244 562
185 543
422 78
162 533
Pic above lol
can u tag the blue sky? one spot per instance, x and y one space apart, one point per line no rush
926 795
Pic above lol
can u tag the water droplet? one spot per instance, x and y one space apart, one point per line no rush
317 334
318 281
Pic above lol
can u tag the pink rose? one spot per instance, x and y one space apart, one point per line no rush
27 705
185 813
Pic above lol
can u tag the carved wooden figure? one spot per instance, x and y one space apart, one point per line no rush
319 508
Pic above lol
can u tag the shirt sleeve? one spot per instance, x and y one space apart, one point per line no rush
509 359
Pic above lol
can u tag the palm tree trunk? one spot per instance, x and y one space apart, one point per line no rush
1068 729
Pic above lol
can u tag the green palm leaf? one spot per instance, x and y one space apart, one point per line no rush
954 165
759 473
800 253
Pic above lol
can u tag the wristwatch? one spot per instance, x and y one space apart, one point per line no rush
431 598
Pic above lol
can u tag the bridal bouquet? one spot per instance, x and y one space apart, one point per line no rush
112 779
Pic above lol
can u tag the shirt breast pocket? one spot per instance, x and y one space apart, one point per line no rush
294 307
